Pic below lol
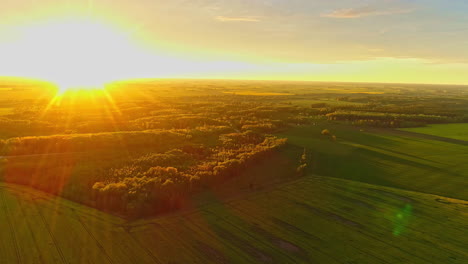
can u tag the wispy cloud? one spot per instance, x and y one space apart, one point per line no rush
363 12
237 19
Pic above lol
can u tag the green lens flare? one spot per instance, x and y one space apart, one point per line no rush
402 219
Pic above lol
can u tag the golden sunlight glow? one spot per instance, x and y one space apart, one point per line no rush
83 52
77 53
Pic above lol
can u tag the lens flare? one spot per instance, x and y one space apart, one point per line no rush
401 220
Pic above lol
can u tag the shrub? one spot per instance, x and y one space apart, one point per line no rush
326 132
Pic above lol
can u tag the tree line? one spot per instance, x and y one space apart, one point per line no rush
160 182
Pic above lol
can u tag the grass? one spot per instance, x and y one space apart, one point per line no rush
410 163
455 131
310 220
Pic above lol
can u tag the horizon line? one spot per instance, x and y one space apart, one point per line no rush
33 79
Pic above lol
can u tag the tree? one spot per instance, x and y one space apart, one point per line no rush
301 169
303 159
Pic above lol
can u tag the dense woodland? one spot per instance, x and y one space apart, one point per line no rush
144 148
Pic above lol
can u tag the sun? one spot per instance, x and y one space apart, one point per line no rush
78 53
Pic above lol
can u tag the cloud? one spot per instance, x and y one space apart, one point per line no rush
363 12
237 19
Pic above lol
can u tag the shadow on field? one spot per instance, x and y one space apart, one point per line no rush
380 159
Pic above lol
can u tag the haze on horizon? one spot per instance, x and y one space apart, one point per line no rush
394 41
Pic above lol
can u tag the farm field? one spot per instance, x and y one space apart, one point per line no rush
455 131
386 158
310 220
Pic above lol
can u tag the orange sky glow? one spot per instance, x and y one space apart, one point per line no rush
85 44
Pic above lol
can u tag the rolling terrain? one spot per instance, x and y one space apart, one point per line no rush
310 220
227 165
386 157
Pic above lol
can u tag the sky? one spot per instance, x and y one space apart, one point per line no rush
412 41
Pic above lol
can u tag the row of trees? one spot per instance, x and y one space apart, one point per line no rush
97 115
176 122
90 142
160 182
389 119
17 127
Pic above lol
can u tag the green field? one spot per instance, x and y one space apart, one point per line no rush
310 220
455 131
313 219
386 158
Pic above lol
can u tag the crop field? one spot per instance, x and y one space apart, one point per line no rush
311 220
386 157
455 131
